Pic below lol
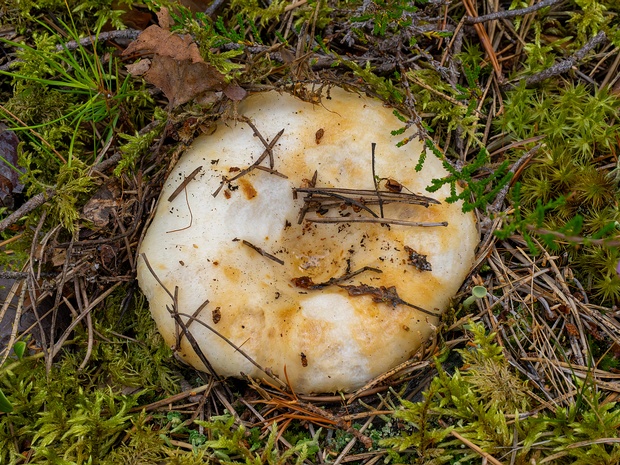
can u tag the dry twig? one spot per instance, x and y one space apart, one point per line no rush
507 14
565 65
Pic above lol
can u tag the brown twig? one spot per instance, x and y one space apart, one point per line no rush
13 275
486 42
172 399
174 313
234 346
325 198
565 65
507 14
214 8
262 252
557 235
410 364
307 283
194 317
191 318
58 345
485 455
340 423
191 216
386 295
126 34
18 312
184 183
366 196
377 220
26 208
253 166
190 337
268 147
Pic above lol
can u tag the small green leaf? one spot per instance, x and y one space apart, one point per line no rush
19 348
5 405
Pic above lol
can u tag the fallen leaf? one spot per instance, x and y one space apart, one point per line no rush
235 92
304 282
207 98
59 257
393 186
287 56
177 67
381 294
100 208
139 68
136 19
163 18
159 41
182 81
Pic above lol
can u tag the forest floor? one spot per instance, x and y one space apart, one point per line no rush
520 101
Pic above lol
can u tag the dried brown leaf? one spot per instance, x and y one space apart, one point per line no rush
177 67
287 56
235 92
304 282
182 81
381 294
135 19
100 208
139 68
156 40
164 19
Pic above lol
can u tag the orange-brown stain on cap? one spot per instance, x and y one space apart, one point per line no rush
247 188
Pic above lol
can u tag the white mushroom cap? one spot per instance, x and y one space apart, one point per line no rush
325 339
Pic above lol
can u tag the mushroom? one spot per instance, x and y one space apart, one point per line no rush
299 243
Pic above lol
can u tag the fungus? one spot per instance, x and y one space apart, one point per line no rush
298 243
477 293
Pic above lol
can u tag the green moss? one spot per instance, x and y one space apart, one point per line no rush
22 13
316 11
208 36
66 105
17 253
137 145
58 417
565 187
230 441
477 402
382 86
73 415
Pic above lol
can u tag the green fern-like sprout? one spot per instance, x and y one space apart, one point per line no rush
477 399
230 440
471 402
476 194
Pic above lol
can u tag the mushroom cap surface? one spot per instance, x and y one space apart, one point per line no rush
336 336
